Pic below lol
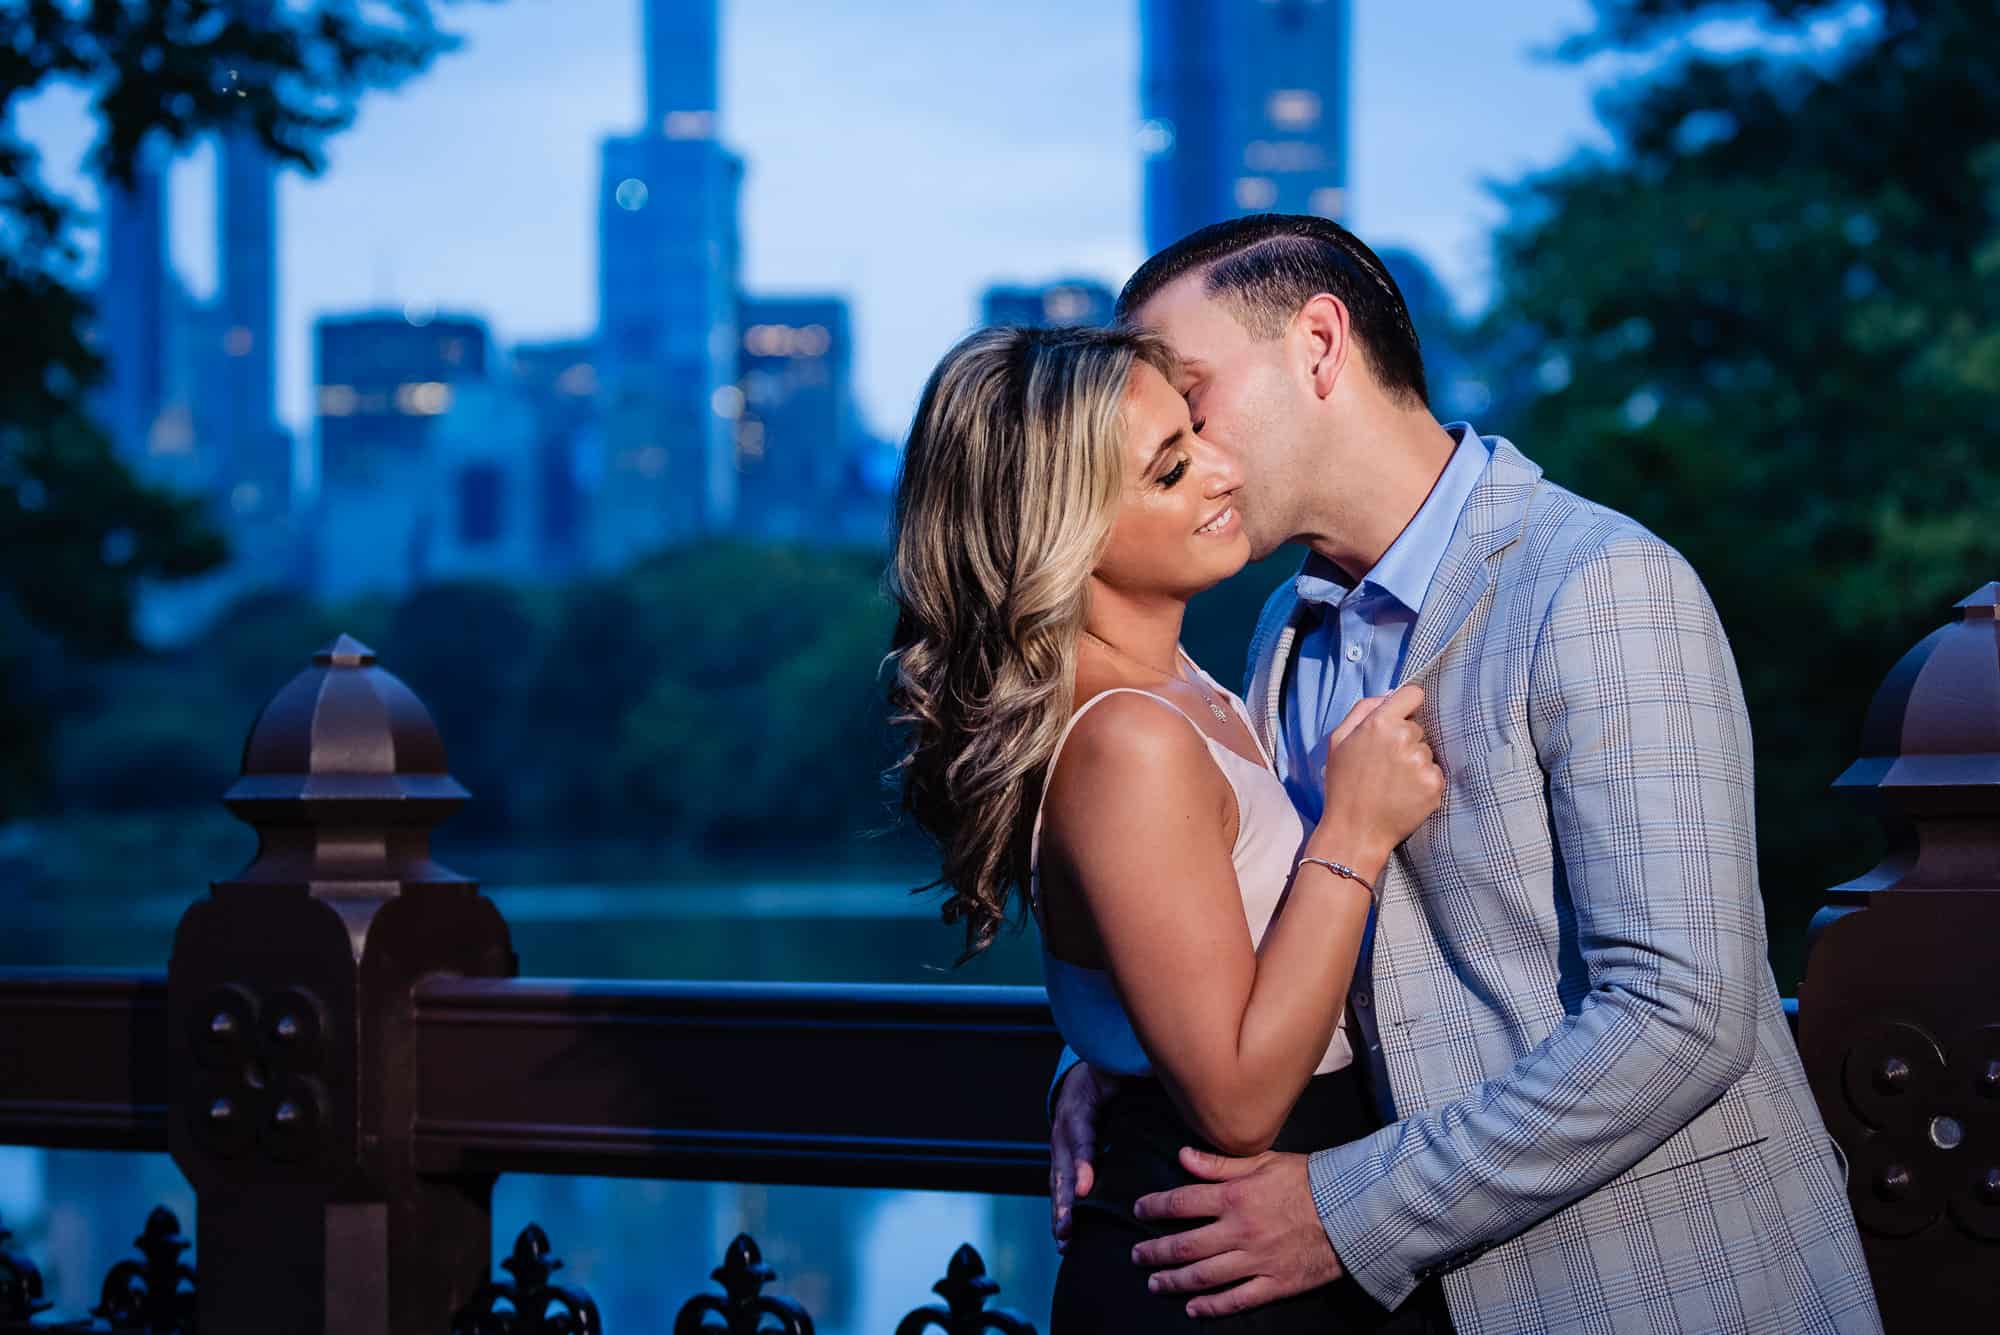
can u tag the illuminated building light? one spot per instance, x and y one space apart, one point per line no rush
688 125
1255 192
423 398
1293 108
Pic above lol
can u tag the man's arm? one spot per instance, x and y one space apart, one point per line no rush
1640 727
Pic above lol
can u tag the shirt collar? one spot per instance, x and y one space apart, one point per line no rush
1406 569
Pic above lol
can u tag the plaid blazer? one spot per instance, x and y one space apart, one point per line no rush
1597 1116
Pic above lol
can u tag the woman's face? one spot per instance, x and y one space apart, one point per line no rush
1176 531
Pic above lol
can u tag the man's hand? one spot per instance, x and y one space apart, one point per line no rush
1265 1240
1071 1137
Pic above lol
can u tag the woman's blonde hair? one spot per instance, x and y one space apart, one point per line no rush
1009 486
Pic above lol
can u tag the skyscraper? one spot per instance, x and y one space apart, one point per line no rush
255 454
382 382
798 430
132 308
1067 301
558 384
1245 105
667 264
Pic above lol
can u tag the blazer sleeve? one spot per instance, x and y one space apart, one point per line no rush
1639 725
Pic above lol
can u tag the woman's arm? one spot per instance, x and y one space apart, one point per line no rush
1136 818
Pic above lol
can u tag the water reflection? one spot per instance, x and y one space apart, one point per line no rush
859 1260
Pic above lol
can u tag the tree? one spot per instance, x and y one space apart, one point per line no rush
1769 328
79 531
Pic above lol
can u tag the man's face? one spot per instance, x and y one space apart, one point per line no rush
1243 398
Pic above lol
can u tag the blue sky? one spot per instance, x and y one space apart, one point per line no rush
906 152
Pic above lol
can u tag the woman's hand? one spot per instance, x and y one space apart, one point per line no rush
1381 779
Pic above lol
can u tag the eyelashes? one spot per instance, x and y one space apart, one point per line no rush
1179 470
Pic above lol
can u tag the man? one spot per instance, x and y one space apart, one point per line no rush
1595 1116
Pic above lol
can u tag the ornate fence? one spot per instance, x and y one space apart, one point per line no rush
341 1061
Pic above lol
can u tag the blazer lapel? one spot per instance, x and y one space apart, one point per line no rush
1270 649
1491 522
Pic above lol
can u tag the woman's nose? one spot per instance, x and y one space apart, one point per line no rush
1224 476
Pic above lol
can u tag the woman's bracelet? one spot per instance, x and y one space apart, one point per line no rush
1342 869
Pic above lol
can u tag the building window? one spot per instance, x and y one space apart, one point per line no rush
1283 155
689 125
172 431
479 489
1066 305
783 340
424 398
1293 108
1255 192
1328 201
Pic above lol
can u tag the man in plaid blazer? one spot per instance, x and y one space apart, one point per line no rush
1595 1116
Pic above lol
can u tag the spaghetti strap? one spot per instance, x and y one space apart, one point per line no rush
1237 707
1035 839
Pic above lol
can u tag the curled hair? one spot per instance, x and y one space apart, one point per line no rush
1009 485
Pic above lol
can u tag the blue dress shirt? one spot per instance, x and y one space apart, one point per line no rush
1354 638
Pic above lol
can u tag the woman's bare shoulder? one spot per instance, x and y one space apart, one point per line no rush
1129 747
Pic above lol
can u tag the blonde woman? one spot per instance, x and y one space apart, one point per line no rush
1057 509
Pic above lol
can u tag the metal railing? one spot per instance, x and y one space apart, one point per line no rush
340 1060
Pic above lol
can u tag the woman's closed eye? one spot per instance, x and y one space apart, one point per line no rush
1175 474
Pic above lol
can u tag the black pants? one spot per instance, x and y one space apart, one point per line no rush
1139 1135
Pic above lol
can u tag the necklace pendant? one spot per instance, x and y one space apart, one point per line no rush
1217 710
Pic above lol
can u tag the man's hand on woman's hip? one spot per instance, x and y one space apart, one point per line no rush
1264 1240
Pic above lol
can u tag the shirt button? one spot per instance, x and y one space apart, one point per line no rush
1353 653
1362 999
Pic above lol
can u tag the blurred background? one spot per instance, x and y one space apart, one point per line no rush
561 352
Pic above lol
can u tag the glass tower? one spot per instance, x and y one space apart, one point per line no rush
667 266
1245 105
254 453
132 308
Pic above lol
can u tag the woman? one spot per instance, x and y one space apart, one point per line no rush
1056 511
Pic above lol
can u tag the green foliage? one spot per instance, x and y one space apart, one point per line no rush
714 704
1768 326
79 532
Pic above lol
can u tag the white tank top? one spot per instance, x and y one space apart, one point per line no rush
1269 836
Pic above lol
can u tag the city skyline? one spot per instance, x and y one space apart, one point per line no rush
858 196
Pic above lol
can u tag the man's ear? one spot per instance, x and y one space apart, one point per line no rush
1325 340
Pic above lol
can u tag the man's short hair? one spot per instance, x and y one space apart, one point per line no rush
1266 266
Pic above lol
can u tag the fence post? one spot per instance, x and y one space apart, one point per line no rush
290 1034
1899 1012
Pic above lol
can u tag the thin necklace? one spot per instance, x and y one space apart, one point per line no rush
1214 706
